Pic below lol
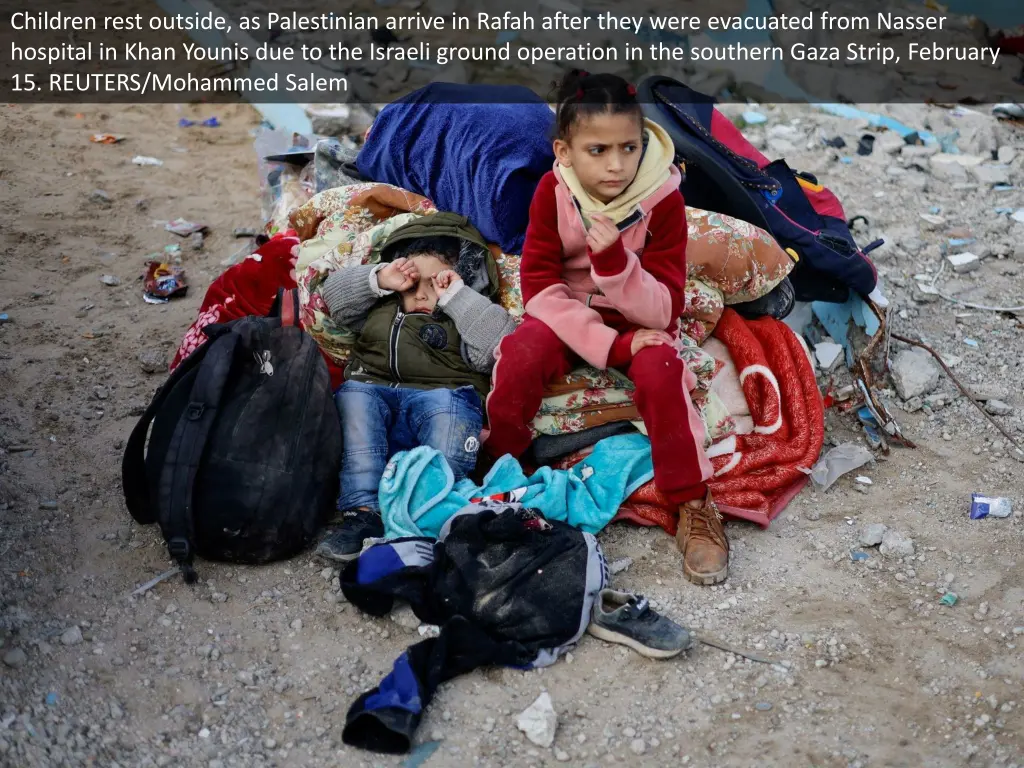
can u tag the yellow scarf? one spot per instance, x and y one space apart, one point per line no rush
652 173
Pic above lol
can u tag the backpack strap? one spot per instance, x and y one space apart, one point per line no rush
185 452
286 307
134 481
290 309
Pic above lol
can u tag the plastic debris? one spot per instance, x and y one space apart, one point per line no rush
949 599
971 343
51 699
106 138
750 117
420 754
210 122
153 582
244 232
989 506
144 160
836 142
163 282
958 244
866 145
4 318
1018 216
184 228
858 556
846 160
837 462
863 480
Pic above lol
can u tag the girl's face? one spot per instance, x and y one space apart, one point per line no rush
604 151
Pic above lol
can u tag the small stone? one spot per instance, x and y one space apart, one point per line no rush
561 756
195 241
539 721
819 663
637 746
998 408
204 733
153 361
488 725
620 565
116 713
872 535
763 706
296 625
219 597
404 617
991 174
71 636
896 545
101 197
914 373
15 658
962 263
269 743
111 280
827 354
100 393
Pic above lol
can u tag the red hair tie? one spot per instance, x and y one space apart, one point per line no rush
631 89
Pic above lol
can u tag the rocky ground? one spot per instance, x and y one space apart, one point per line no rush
257 666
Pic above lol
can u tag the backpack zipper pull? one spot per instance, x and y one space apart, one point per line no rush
263 361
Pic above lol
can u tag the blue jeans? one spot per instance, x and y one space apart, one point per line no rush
378 421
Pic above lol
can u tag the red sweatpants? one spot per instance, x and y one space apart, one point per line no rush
533 356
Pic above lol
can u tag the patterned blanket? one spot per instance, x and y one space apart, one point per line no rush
729 261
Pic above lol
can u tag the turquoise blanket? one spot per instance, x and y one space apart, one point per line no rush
418 492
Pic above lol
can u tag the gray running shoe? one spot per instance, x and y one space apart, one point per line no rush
620 617
345 543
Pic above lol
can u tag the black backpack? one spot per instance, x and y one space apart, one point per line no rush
242 463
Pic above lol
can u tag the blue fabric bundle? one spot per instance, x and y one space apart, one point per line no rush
419 494
476 150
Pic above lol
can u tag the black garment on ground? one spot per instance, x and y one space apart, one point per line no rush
506 586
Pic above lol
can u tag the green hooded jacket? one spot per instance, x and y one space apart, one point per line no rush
418 350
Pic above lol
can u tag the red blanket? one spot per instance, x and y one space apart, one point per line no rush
247 288
758 474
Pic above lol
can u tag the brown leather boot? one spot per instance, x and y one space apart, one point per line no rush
701 539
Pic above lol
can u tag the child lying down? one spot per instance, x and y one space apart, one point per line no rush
420 368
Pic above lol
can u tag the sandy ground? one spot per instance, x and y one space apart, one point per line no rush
870 670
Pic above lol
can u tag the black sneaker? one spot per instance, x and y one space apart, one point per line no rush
626 619
344 543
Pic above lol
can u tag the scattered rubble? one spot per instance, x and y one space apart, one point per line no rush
914 373
539 721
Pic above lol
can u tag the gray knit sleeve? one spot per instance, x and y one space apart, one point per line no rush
350 293
481 324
